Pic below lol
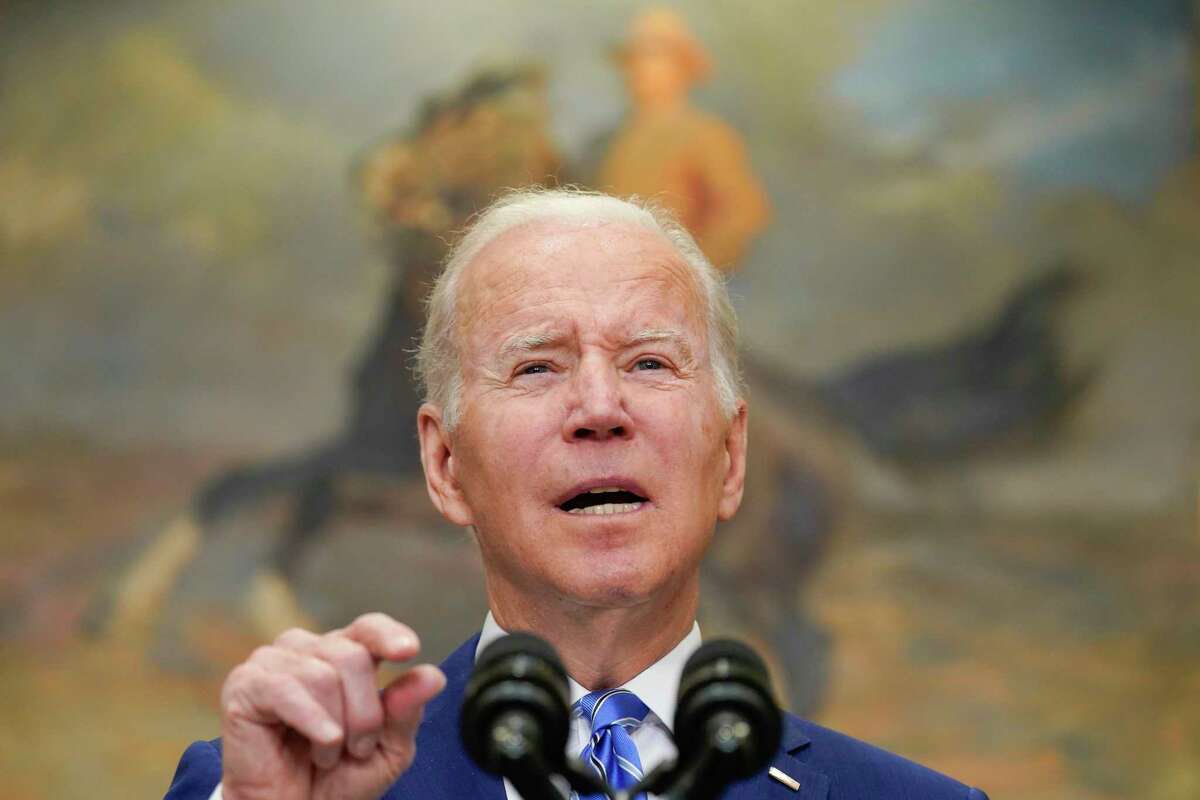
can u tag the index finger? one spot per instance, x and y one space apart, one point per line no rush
383 637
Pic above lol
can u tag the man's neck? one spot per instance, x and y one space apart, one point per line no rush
604 647
659 107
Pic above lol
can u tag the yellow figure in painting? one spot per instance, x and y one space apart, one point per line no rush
689 161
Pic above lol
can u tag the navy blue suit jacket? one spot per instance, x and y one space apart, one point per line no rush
827 764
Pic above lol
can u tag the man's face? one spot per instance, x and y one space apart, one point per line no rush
655 75
585 368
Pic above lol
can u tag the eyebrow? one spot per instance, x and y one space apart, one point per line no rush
527 342
672 335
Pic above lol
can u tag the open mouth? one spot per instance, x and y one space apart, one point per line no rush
604 500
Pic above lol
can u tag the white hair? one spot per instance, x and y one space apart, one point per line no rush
439 368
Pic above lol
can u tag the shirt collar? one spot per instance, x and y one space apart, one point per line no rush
656 686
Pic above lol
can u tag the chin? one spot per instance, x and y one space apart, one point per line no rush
613 589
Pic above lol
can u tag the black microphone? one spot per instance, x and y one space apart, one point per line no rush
515 717
727 724
515 713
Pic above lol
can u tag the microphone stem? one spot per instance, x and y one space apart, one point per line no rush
532 786
518 740
710 771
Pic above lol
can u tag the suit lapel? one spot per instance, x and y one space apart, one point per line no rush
814 785
442 768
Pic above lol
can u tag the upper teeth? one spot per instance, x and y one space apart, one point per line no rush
603 489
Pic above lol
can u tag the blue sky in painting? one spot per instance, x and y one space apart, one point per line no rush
1064 93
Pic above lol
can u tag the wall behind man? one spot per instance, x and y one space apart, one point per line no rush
187 276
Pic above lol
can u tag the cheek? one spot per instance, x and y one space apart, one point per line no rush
524 429
504 444
689 426
697 454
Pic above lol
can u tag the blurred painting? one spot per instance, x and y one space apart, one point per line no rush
964 245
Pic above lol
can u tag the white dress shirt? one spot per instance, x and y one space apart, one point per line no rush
656 686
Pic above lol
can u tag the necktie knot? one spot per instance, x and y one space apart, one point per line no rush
613 715
608 707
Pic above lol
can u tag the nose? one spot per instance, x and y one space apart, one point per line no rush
597 405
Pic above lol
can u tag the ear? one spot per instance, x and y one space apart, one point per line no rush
734 483
437 458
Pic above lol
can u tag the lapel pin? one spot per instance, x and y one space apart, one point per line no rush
784 778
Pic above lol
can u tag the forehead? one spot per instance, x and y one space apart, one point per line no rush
610 268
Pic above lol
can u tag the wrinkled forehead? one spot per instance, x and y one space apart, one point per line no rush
539 261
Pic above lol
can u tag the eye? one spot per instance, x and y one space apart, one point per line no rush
648 363
533 369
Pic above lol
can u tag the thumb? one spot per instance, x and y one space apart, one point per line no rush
404 702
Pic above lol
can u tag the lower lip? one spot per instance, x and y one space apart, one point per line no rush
608 510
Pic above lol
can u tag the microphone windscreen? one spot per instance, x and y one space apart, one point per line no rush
730 650
725 680
522 643
519 674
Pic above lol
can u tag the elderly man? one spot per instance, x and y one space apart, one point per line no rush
586 420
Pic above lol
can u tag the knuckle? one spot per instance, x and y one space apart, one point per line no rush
240 679
373 619
276 685
346 654
293 637
263 652
241 675
320 675
283 685
287 690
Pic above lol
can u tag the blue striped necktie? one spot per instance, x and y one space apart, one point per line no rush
614 714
